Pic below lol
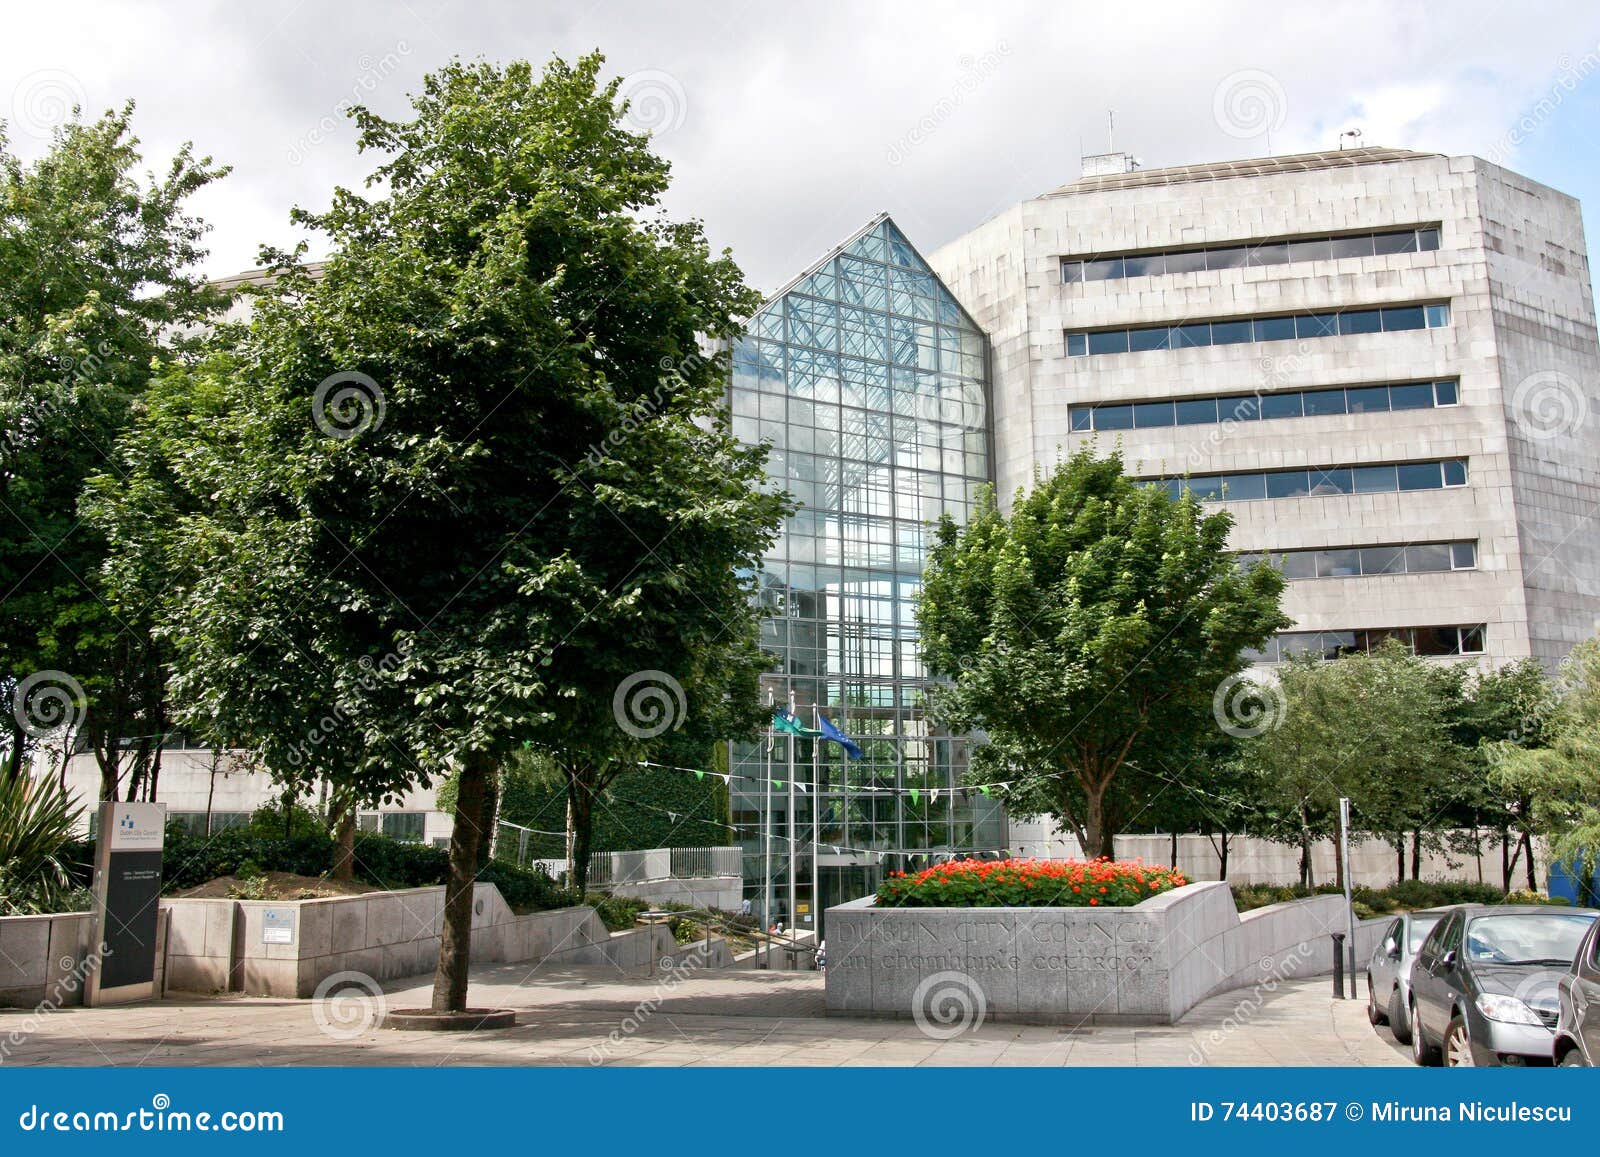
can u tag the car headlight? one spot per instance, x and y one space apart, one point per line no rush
1506 1009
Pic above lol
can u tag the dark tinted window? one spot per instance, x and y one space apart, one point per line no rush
1206 488
1153 338
1230 258
1417 396
1113 417
1419 476
1438 641
1274 329
1427 240
1282 406
1185 336
1103 269
1361 321
1317 250
1239 409
1463 556
1352 246
1394 243
1244 487
1077 345
1113 341
1404 317
1444 393
1323 402
1316 325
1197 412
1455 473
1300 564
1288 484
1147 414
1081 417
1472 641
1424 557
1148 265
1373 479
1189 262
1071 272
1230 332
1383 560
1367 399
1338 563
1334 481
1276 253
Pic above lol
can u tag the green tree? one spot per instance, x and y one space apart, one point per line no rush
99 280
1561 779
1506 710
480 473
1087 630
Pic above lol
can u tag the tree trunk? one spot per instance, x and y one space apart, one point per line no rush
1400 858
1505 859
1174 856
1416 853
580 807
1222 857
1305 848
491 816
344 852
455 945
1101 839
1533 874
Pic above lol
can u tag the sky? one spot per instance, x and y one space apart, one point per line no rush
790 125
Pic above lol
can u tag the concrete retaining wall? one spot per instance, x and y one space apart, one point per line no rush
1147 964
225 945
722 892
42 959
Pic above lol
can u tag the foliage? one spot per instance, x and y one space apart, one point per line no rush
99 280
1561 781
1088 630
36 823
1403 896
384 863
617 913
269 820
1029 884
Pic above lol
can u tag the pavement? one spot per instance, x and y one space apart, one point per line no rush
589 1016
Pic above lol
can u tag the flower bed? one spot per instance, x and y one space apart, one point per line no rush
1029 884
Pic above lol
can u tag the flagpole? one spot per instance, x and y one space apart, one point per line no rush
792 739
816 818
766 825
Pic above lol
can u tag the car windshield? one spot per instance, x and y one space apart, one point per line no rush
1420 927
1526 937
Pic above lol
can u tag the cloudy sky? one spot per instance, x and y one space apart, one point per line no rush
790 124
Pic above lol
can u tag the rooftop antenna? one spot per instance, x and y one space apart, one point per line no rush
1111 130
1355 138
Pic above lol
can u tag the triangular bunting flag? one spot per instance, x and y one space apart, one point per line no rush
698 774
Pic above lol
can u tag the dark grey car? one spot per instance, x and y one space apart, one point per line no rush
1389 970
1483 988
1578 1025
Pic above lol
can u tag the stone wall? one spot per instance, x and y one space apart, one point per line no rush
42 959
223 945
1147 964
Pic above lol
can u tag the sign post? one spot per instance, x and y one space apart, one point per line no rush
127 894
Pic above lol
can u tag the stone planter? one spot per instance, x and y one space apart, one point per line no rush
1148 964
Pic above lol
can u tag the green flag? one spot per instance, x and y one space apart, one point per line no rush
789 725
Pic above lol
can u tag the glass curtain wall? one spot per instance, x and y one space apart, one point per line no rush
870 384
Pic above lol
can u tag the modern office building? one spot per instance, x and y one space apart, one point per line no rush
1382 362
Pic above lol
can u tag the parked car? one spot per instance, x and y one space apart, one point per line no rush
1578 1023
1389 970
1483 987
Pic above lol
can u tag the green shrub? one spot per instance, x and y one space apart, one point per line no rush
36 822
1405 896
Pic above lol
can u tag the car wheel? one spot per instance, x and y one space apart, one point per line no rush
1422 1052
1398 1024
1374 1017
1458 1046
1573 1060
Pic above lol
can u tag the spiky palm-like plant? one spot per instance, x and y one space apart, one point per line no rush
37 819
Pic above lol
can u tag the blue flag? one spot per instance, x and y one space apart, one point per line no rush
831 731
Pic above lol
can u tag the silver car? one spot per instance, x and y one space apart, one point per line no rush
1389 970
1578 1022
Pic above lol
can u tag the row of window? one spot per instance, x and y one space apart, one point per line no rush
1237 331
1357 561
1429 641
1260 407
1318 482
1417 240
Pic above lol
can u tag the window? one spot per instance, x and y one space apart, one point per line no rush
1425 641
1321 481
1357 561
404 826
1076 270
1241 330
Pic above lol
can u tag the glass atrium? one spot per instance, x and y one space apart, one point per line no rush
870 383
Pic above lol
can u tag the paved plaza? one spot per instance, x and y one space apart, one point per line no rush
587 1016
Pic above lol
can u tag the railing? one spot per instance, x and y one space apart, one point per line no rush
697 863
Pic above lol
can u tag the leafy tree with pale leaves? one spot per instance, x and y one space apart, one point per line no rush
1086 631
